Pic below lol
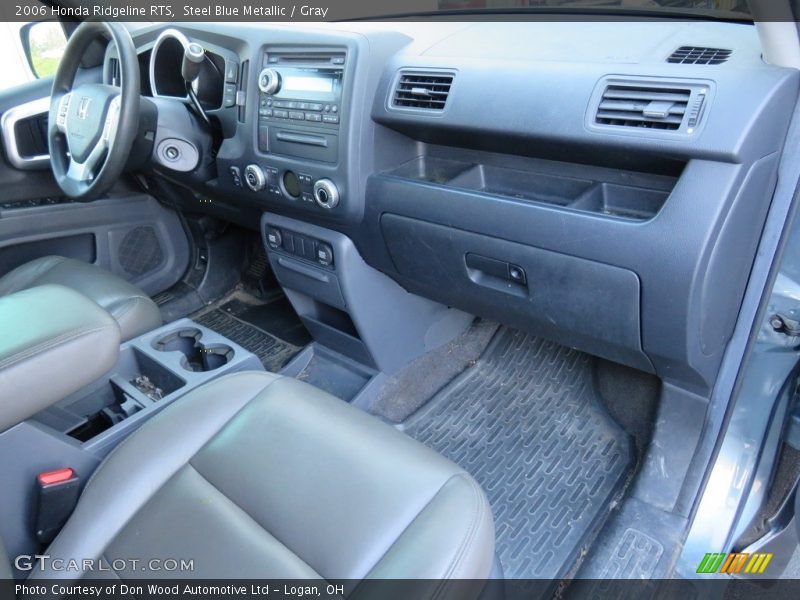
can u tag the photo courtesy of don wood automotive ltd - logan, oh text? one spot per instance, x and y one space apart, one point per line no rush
383 299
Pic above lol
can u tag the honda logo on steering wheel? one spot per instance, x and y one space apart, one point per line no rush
83 107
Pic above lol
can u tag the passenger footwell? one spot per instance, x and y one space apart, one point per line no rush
526 422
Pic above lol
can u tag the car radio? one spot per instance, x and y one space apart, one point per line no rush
299 107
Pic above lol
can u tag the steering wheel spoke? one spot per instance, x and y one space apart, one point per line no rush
63 111
93 125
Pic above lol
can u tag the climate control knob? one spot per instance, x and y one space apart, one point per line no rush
269 81
254 178
326 194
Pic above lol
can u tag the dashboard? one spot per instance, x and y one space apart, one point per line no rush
619 167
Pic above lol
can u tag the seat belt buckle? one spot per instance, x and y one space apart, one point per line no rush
57 495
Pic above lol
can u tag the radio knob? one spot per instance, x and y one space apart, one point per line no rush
326 194
254 178
269 81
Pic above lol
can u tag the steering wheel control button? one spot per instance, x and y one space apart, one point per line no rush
326 194
254 178
269 81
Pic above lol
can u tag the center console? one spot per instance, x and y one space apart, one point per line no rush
349 307
300 102
150 372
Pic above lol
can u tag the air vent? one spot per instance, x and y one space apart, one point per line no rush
694 55
422 90
645 107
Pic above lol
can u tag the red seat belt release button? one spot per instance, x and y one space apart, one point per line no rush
57 495
57 476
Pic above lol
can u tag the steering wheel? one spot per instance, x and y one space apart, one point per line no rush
92 126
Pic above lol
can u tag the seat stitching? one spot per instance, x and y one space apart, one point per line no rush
252 518
411 522
451 568
69 336
128 304
471 530
127 439
46 264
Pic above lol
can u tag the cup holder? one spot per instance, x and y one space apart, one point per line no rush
197 356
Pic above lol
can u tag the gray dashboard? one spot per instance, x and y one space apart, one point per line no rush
628 189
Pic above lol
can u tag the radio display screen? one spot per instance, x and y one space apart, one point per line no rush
304 83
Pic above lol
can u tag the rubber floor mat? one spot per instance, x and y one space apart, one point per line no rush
273 352
526 423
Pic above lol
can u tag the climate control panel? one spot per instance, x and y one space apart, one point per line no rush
287 184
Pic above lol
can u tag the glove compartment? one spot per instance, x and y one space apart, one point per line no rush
581 303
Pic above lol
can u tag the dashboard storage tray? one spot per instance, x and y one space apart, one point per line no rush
552 183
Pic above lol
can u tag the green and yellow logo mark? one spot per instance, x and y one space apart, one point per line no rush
734 563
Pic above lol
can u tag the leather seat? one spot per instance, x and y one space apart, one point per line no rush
260 476
132 309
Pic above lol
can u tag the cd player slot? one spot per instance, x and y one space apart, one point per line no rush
322 147
303 58
300 138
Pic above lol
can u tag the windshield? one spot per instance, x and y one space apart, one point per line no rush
736 9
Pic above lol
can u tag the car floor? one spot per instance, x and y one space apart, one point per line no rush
526 422
553 435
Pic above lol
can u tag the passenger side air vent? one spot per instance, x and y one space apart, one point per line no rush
643 106
423 90
694 55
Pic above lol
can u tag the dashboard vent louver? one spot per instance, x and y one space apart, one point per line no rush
695 55
643 106
422 90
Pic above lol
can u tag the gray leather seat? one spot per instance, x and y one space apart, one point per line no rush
55 342
260 476
132 309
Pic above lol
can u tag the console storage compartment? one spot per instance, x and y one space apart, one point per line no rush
151 371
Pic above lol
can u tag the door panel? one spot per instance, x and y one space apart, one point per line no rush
134 237
82 246
128 233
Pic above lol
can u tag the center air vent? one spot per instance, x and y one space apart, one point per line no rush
645 107
694 55
424 90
